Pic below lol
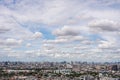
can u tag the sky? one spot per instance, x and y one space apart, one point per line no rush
60 30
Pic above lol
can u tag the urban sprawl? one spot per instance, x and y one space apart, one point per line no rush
59 70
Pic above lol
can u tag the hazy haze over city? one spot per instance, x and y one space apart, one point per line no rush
60 30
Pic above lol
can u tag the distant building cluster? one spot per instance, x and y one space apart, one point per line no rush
59 71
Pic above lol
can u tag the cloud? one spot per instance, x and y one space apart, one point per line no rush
105 2
66 34
9 28
56 41
4 29
60 30
13 41
104 25
59 11
37 35
72 38
106 44
10 42
66 31
28 44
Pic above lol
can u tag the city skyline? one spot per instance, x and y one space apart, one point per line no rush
60 30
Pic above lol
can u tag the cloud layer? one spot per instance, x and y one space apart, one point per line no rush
57 30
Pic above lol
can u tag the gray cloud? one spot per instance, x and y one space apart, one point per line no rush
66 31
10 42
105 25
4 30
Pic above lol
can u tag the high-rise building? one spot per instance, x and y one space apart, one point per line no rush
115 67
